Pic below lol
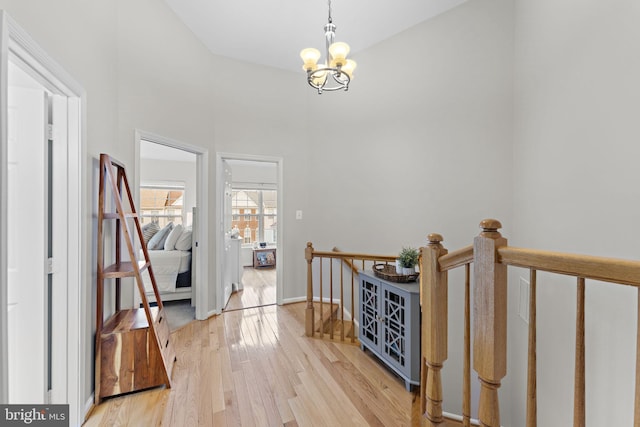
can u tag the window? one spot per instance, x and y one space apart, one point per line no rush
256 216
162 204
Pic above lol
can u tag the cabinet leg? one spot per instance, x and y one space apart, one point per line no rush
407 385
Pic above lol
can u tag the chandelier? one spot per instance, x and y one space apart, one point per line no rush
337 71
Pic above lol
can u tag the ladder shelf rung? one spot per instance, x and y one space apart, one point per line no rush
129 320
115 215
124 269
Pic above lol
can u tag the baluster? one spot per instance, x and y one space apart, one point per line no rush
341 302
309 314
321 302
466 379
434 329
490 319
532 390
578 398
636 416
353 307
331 319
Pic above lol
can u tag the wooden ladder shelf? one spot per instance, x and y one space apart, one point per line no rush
133 346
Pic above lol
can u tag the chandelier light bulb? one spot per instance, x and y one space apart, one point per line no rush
310 57
339 52
349 67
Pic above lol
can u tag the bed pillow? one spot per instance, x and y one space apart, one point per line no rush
172 238
157 241
184 241
148 231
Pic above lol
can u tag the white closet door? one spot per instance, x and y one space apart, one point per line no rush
27 249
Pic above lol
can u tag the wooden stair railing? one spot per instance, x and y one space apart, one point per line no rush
435 262
491 256
333 305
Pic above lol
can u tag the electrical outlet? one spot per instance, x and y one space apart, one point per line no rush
523 308
298 214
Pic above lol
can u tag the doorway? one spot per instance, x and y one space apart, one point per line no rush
41 261
250 256
153 155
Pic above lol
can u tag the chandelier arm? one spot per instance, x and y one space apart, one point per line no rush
324 87
337 76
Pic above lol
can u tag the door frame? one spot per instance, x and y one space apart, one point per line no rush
16 42
220 158
202 203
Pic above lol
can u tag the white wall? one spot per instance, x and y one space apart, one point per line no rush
576 189
153 170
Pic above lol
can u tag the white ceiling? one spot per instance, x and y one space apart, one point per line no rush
273 33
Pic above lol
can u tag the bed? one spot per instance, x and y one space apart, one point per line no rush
169 250
172 270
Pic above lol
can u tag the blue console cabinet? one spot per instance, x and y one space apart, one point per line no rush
390 324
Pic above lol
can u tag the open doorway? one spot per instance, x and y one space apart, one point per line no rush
172 203
250 261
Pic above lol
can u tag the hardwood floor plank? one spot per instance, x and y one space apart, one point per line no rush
254 397
207 382
215 382
256 367
243 400
303 419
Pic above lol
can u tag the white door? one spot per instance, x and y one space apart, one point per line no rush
27 239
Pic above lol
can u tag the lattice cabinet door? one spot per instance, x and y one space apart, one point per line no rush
395 329
370 313
390 324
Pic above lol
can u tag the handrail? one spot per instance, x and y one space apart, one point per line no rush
348 262
456 259
612 270
357 255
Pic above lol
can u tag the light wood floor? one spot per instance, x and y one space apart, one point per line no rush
259 289
255 367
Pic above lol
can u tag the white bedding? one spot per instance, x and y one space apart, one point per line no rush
166 266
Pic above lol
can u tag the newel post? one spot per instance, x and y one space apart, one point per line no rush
490 319
434 302
309 313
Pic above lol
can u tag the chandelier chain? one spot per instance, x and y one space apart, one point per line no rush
330 20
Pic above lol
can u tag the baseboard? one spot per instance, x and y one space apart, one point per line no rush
293 300
88 407
459 418
346 313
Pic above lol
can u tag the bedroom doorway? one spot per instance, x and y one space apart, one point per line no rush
250 235
172 200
